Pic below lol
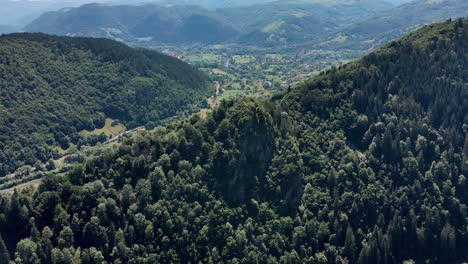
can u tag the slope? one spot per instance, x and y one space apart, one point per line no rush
54 87
267 24
398 21
173 24
363 164
215 3
298 21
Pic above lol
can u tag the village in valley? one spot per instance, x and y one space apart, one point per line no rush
243 70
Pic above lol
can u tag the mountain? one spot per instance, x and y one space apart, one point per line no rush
215 3
282 22
21 12
338 24
54 87
297 21
363 164
399 2
176 24
398 21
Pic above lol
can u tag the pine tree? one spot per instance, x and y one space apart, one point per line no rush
465 156
349 249
4 255
448 243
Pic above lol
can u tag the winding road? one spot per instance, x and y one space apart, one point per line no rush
59 162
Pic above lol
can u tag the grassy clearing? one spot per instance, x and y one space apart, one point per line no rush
273 27
147 39
340 39
218 71
204 58
108 129
274 56
243 59
204 113
31 184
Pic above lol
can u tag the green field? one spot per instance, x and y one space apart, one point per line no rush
109 129
203 58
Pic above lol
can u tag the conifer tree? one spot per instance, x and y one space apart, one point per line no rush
4 255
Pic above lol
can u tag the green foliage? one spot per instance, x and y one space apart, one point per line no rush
54 87
4 255
374 175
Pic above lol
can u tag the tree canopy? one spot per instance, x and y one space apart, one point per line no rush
362 164
52 87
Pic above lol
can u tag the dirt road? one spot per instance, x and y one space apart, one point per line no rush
218 86
142 128
34 183
59 162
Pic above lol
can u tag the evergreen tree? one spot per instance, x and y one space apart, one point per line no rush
4 255
349 249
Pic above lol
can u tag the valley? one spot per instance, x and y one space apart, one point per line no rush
254 71
239 71
363 163
58 93
234 131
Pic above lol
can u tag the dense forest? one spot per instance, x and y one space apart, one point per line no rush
51 88
362 164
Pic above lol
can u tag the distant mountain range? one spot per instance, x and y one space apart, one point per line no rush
213 3
398 21
178 24
332 24
21 12
297 21
281 22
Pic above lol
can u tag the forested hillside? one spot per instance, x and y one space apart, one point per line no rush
363 164
395 22
51 88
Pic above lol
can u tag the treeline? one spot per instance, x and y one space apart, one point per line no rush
54 87
350 167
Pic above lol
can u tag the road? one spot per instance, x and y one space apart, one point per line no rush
218 86
142 128
35 183
59 162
